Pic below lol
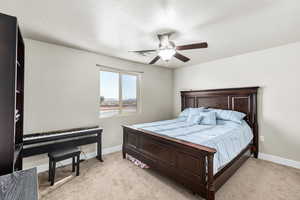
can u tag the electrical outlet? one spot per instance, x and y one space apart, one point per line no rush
262 138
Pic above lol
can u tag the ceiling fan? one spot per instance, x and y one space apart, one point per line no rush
167 49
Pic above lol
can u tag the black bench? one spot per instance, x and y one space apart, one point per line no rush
63 154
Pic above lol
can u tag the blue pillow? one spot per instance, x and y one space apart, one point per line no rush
229 115
196 111
191 111
208 118
195 119
185 113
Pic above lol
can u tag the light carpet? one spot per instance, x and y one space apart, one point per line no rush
119 179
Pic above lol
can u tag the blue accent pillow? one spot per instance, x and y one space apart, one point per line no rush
195 119
229 115
185 113
196 111
208 118
191 111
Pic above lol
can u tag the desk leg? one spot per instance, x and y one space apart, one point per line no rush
99 148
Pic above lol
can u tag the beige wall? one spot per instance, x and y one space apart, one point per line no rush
276 71
62 92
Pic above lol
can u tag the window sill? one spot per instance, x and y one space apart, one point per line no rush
120 115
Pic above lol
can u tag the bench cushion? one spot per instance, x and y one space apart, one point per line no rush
64 153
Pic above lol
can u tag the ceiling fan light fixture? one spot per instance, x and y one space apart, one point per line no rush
166 54
167 49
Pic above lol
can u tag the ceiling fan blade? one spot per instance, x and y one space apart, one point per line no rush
192 46
144 51
181 57
154 60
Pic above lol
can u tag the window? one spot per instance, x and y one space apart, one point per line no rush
118 93
129 93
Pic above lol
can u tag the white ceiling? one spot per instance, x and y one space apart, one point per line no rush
112 27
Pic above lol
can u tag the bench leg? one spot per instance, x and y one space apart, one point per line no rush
73 164
78 163
123 153
49 170
53 172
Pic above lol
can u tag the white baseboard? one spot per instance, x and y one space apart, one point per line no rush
263 156
279 160
111 149
45 167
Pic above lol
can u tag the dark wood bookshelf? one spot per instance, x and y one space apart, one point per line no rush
12 66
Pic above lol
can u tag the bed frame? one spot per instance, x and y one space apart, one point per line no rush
192 164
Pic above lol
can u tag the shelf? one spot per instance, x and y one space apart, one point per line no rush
14 84
19 92
18 116
18 149
19 66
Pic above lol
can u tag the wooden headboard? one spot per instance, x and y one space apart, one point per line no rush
238 99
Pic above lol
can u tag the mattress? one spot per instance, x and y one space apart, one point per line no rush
227 137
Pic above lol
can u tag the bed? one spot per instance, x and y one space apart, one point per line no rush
178 150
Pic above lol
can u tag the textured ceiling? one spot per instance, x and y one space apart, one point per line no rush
113 27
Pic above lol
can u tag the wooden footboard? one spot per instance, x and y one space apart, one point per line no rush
187 163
